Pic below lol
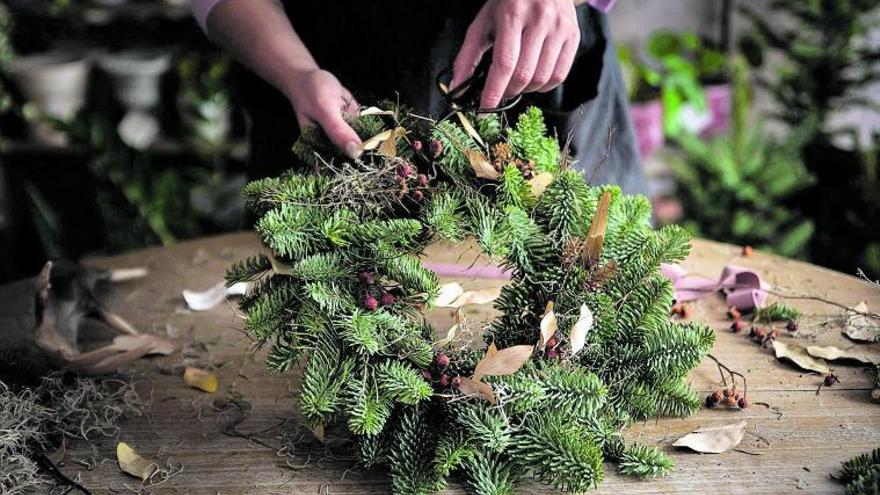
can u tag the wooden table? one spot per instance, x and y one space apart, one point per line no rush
796 438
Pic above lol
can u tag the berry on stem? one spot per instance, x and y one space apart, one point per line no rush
435 147
371 302
445 380
388 299
743 403
831 379
417 145
423 180
442 360
367 277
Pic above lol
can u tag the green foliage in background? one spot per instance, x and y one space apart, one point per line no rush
827 60
739 188
344 291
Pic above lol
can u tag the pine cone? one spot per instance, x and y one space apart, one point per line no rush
502 155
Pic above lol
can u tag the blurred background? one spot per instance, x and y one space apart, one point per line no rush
757 122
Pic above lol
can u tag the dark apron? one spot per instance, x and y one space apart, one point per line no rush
394 48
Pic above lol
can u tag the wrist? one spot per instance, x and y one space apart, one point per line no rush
294 77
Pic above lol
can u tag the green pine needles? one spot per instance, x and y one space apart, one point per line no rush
341 292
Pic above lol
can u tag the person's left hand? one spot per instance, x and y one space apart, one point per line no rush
534 43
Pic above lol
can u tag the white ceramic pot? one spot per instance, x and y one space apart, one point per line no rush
55 83
137 75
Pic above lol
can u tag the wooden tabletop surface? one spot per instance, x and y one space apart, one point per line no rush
795 439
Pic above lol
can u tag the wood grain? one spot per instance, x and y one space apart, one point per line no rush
795 440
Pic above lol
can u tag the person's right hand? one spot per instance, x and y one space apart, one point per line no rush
318 98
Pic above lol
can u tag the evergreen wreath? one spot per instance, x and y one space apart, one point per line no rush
583 347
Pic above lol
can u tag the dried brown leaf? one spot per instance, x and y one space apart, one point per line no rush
549 325
481 165
579 330
388 147
469 128
798 355
506 361
540 182
200 379
832 353
472 387
132 463
375 141
318 432
592 250
482 296
714 440
447 294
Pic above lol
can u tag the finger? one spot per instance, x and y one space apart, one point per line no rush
475 45
350 106
563 65
550 53
532 42
338 131
504 59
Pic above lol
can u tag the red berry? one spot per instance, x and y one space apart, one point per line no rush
442 360
435 148
717 396
417 145
370 302
737 326
423 180
418 196
445 380
727 393
552 353
743 403
367 277
791 326
831 380
426 374
730 401
551 342
405 170
528 175
388 299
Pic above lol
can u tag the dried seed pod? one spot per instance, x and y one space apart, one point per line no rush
371 302
388 299
417 145
442 360
435 148
743 403
711 401
423 181
686 311
730 401
831 379
718 395
445 380
791 326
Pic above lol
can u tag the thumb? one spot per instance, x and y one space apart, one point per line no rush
340 133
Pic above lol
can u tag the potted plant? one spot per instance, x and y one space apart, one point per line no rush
203 98
54 83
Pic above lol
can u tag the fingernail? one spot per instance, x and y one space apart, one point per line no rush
353 150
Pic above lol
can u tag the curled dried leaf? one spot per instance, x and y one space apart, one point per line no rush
469 128
506 361
714 440
132 463
375 141
832 353
481 165
579 330
799 356
862 327
549 325
200 379
388 147
476 387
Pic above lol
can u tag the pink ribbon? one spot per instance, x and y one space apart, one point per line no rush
744 288
452 270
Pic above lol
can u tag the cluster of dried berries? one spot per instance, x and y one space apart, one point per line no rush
763 336
375 295
502 156
410 182
439 374
727 397
681 309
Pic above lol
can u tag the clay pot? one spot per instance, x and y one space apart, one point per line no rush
136 77
55 83
647 118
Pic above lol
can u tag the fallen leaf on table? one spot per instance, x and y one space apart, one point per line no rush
469 387
714 440
481 165
862 327
447 294
132 463
207 299
549 325
798 355
503 362
200 379
373 142
832 353
153 343
578 336
540 182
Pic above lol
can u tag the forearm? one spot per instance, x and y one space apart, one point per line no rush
259 34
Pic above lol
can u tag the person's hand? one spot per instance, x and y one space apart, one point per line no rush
319 99
534 42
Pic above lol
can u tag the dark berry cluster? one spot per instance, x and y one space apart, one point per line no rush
440 375
375 295
727 397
